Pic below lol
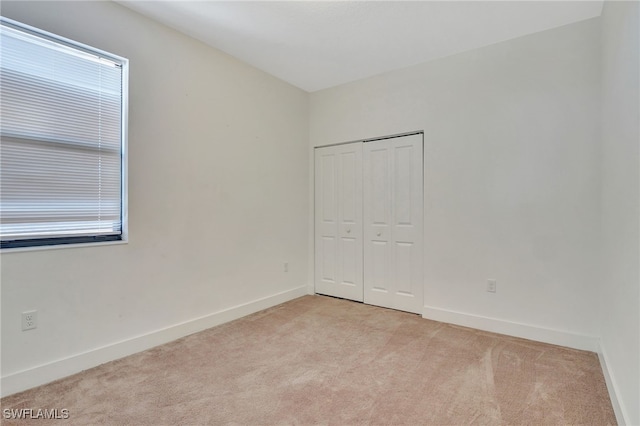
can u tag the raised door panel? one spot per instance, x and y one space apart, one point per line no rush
326 219
350 220
407 223
377 222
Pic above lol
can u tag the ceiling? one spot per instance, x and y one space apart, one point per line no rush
319 44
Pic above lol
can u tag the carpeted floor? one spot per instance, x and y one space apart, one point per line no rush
319 360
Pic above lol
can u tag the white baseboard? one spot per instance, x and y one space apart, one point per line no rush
618 406
525 331
42 374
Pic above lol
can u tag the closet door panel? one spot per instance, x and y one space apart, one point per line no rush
407 227
338 221
377 222
350 218
326 247
393 220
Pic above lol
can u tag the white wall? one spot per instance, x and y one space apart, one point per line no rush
219 192
619 296
218 185
511 176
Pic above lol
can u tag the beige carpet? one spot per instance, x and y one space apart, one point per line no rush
319 360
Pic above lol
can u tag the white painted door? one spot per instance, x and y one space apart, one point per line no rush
338 221
393 223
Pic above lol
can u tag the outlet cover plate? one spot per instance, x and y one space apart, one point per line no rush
29 320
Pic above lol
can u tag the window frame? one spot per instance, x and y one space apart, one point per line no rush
85 240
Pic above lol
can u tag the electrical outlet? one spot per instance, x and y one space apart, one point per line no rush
286 266
491 285
29 320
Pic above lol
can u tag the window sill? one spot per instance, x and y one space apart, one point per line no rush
62 246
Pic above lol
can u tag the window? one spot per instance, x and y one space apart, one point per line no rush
63 109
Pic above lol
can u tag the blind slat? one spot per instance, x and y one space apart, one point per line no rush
61 138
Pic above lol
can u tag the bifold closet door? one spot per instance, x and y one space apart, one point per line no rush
393 223
338 221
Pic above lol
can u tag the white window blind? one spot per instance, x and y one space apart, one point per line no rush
62 109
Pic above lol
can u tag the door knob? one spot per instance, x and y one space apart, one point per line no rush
348 231
379 233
